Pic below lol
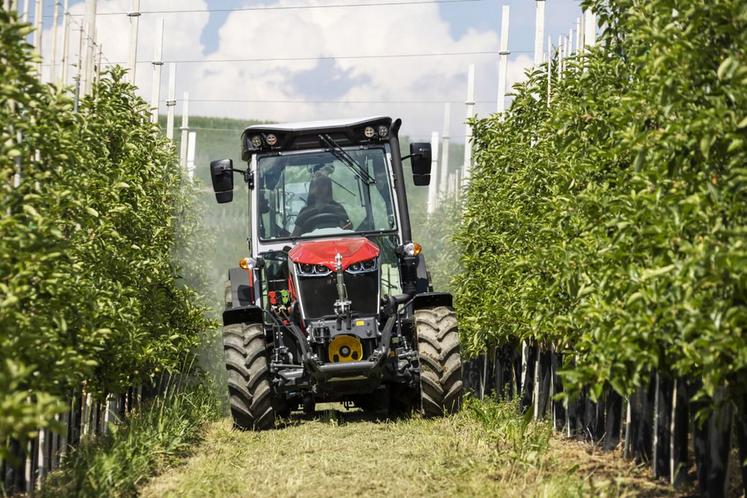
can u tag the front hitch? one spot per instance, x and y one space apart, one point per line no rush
326 371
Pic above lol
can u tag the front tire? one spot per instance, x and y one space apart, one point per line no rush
249 388
440 361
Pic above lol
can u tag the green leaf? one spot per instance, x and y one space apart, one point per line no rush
656 272
705 145
31 211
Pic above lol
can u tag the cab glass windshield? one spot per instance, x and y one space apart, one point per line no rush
324 193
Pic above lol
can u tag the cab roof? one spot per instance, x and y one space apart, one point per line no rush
328 124
305 135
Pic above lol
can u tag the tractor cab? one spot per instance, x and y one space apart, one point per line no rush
332 279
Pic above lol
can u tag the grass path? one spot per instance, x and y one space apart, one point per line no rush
486 450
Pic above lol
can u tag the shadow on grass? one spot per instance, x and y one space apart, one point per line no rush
336 413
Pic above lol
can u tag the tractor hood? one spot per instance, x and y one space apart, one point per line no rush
323 252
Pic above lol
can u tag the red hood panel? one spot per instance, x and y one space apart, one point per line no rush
323 252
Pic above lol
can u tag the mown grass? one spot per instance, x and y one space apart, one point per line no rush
488 449
159 435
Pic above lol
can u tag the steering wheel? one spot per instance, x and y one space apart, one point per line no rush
322 220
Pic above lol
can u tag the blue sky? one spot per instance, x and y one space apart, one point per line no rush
414 88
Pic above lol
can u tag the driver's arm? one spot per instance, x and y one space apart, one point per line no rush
299 228
345 222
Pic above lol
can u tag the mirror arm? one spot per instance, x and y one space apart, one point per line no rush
248 176
409 156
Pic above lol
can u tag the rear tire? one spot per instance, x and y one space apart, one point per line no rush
440 361
249 387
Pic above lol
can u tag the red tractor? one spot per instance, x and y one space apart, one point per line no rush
334 303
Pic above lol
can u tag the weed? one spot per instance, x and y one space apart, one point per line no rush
152 439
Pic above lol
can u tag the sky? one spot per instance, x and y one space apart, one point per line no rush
338 42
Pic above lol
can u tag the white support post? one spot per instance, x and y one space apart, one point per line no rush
191 149
457 184
433 187
28 472
171 102
86 415
503 62
25 13
89 27
42 465
185 132
157 64
134 16
38 32
579 36
450 187
571 37
99 57
539 34
590 29
55 33
470 104
628 421
65 57
110 412
549 70
444 169
560 58
79 68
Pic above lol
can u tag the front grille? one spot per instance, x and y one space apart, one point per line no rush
318 294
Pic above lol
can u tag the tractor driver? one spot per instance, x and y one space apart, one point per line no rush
321 210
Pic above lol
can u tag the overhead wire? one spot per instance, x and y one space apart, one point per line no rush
292 7
107 62
332 101
332 57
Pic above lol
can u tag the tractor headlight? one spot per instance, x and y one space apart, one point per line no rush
412 249
256 141
369 132
271 139
363 266
309 270
247 264
383 131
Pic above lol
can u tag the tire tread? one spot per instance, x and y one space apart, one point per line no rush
440 361
249 386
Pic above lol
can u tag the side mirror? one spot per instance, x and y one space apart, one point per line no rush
221 172
420 158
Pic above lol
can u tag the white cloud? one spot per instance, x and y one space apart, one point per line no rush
291 33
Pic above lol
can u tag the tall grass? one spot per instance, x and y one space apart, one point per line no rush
149 441
521 441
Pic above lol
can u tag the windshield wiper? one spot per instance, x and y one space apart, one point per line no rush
343 156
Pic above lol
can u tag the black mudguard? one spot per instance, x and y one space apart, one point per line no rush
239 280
432 300
243 314
241 310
